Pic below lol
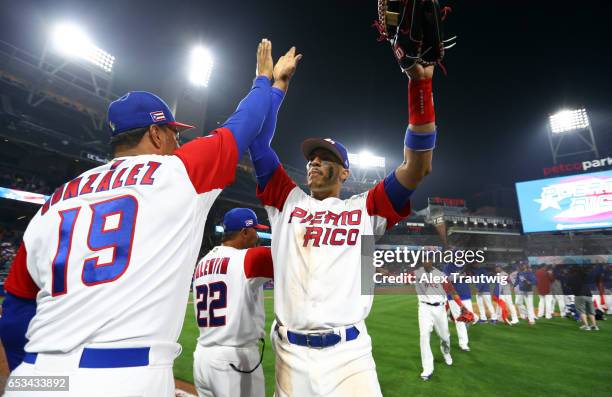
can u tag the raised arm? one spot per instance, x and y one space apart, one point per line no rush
265 161
246 122
211 161
419 141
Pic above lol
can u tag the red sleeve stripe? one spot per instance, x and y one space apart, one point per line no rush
258 263
277 189
378 204
211 160
19 282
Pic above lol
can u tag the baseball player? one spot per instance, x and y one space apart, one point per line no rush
556 290
229 309
483 295
320 338
525 280
465 294
544 279
502 295
432 287
109 258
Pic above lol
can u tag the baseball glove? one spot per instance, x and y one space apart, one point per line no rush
466 316
414 28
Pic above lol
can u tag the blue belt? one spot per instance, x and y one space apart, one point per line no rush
107 358
320 340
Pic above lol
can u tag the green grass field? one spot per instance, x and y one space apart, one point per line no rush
553 358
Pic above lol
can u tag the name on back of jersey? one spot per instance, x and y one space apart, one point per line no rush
328 227
211 266
116 177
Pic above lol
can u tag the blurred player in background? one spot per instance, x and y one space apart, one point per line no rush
580 283
432 314
502 295
544 278
109 258
556 290
229 309
465 294
320 338
483 295
525 280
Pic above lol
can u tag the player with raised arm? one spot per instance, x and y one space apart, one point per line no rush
109 258
320 339
229 309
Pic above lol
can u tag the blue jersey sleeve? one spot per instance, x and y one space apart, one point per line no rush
264 159
246 122
16 316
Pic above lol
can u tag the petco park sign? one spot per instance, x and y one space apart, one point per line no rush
578 167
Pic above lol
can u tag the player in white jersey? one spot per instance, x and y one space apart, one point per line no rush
502 295
320 338
432 286
110 256
229 309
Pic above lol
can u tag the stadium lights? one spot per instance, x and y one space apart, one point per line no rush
71 41
200 66
569 120
366 160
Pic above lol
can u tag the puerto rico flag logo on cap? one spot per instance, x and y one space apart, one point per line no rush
249 222
158 116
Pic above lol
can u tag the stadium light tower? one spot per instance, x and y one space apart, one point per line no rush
200 66
71 41
571 122
365 164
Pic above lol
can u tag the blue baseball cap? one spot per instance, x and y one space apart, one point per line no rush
333 146
240 218
139 109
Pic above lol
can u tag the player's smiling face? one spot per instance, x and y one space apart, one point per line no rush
325 172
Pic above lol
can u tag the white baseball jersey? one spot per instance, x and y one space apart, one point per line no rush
110 256
507 288
430 285
317 246
228 295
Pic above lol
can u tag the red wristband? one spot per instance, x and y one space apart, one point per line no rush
420 102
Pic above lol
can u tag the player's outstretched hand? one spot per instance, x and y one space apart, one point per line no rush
419 72
265 64
285 68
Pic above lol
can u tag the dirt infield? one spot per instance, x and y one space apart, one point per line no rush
184 389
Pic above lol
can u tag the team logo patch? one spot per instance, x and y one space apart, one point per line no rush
158 116
330 141
248 222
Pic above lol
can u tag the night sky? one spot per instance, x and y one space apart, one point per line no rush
515 62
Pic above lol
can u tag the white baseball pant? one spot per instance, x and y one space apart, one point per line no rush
153 380
432 318
546 305
462 332
524 302
343 370
559 300
511 308
214 377
483 299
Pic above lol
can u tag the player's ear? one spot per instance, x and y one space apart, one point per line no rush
344 174
156 136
